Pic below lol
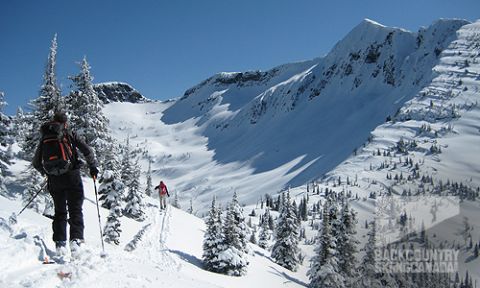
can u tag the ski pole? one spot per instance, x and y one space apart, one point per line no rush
98 213
33 198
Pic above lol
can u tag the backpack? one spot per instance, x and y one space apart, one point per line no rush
163 189
58 153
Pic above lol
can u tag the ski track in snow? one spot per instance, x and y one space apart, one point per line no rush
155 240
90 270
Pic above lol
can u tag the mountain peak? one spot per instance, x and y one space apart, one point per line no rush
118 92
370 22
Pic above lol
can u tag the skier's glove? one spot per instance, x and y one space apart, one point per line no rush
93 172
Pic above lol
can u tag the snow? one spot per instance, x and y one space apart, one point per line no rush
168 254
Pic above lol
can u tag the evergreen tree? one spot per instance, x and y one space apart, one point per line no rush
347 245
303 210
35 182
233 256
126 164
324 266
87 111
296 212
44 106
135 206
5 135
111 187
235 226
271 223
232 261
253 239
5 140
213 241
285 251
21 126
264 230
368 274
149 188
112 227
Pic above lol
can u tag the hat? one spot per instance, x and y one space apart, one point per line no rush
60 116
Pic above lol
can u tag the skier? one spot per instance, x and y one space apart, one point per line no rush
163 192
57 158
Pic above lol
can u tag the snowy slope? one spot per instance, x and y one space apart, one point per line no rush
181 157
444 114
259 132
167 255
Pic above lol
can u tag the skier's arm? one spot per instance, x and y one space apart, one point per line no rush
166 189
86 150
37 159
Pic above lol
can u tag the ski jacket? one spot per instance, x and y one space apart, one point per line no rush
162 189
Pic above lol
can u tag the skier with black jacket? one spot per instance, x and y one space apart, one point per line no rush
57 158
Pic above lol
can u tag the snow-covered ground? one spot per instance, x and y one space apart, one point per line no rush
168 254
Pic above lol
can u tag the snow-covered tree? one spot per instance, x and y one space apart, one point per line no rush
5 140
368 273
87 111
112 227
135 206
126 167
285 250
45 105
35 182
213 240
21 125
303 209
324 266
235 226
347 244
232 261
232 258
111 187
253 238
149 185
5 137
264 230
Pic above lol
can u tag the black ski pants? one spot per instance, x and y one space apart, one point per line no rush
67 194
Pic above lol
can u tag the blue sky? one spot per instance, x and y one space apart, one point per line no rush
164 47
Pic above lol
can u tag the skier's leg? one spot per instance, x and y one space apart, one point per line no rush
162 201
59 224
75 202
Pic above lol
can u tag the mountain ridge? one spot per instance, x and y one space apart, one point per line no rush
368 79
260 124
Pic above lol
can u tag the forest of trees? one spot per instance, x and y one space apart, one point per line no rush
120 189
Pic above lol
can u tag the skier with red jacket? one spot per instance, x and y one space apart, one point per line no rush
163 192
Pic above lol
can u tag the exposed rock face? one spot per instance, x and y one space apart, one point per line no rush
118 92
